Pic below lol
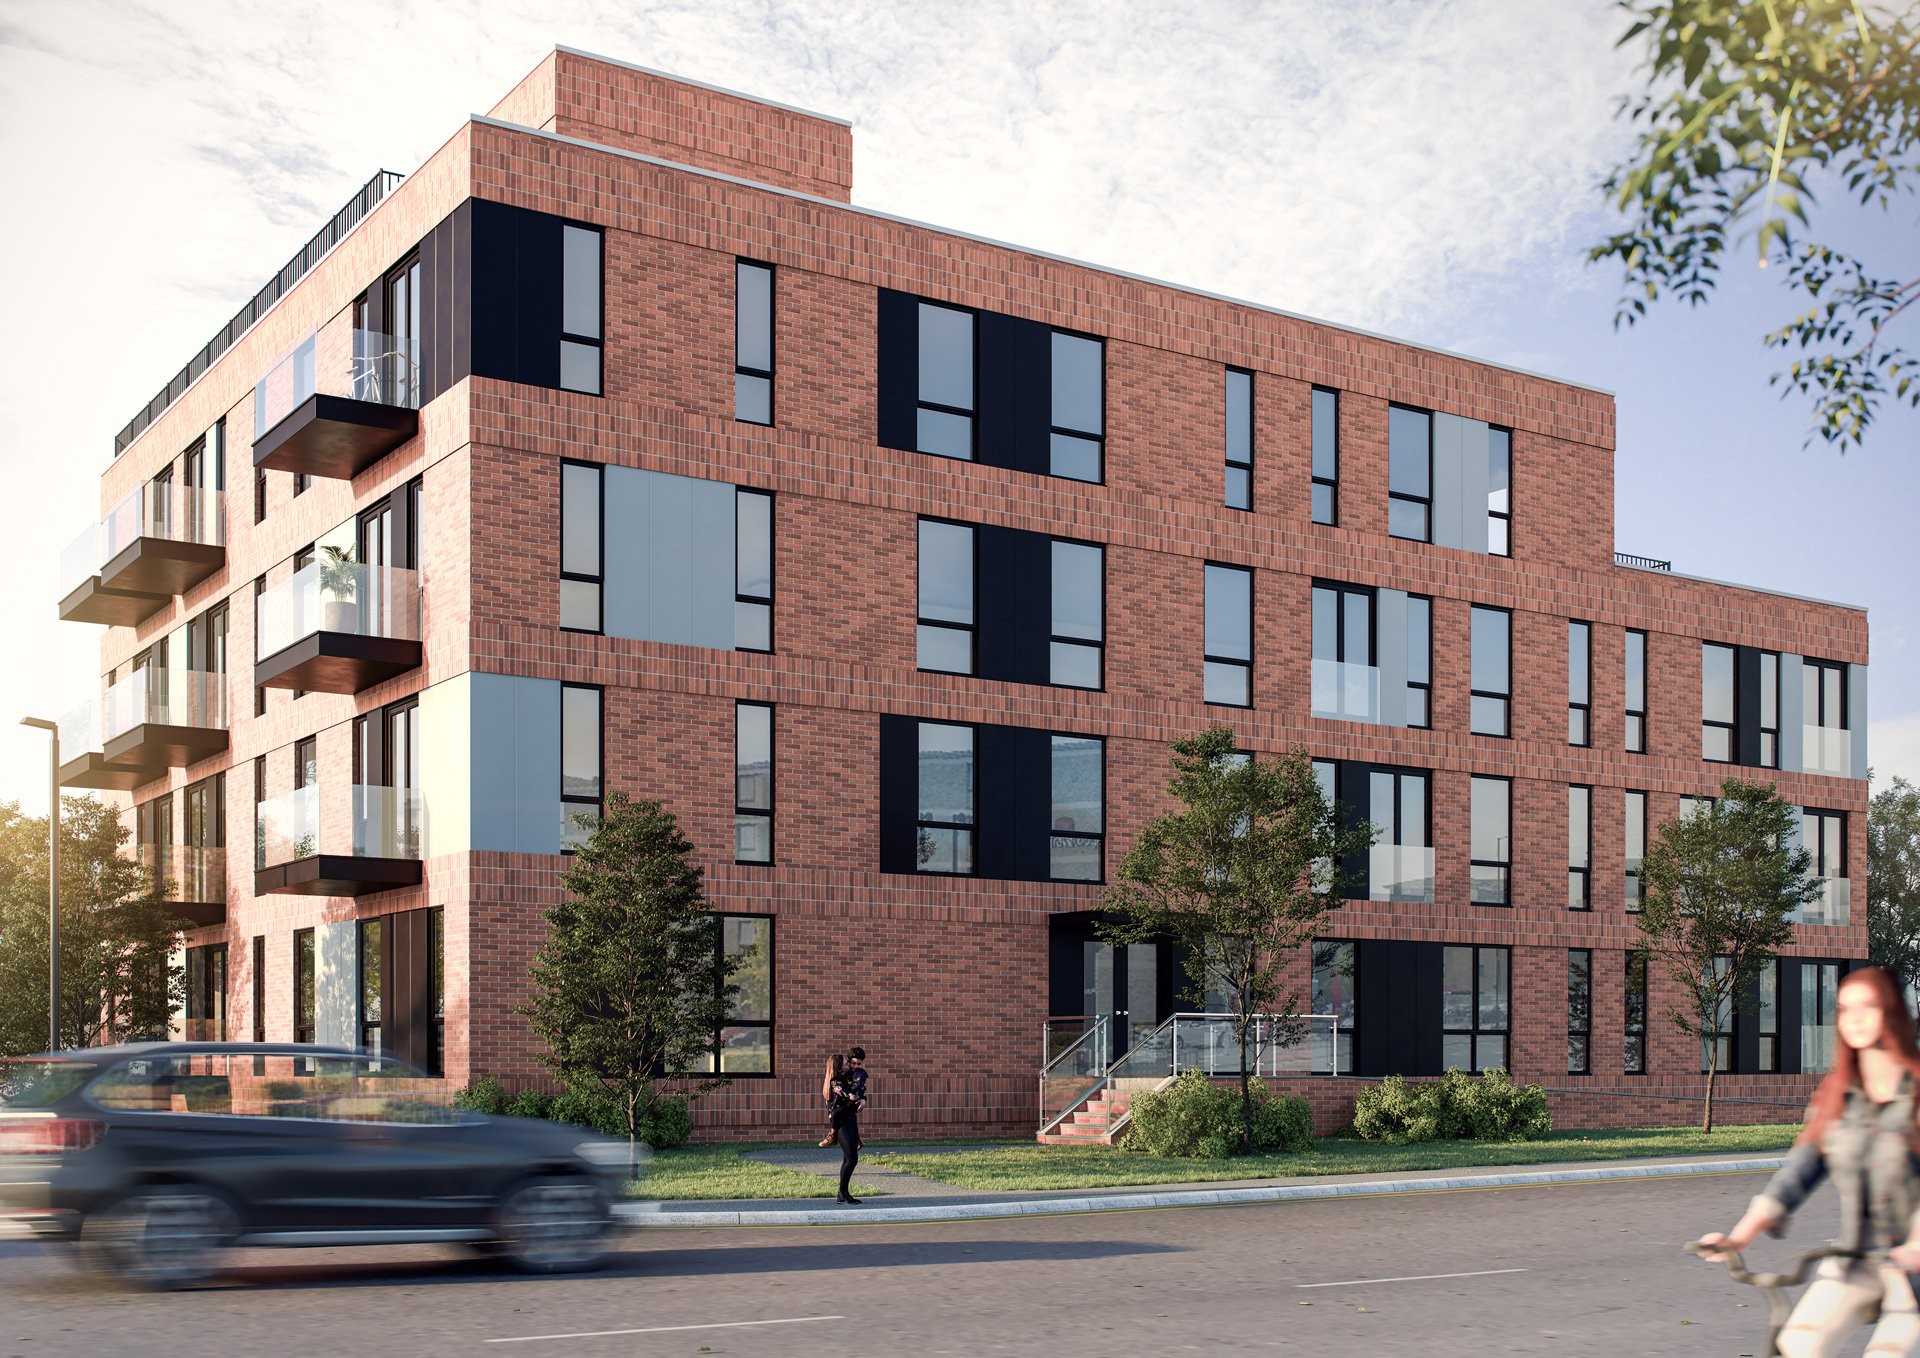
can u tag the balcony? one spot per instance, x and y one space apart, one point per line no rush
165 717
199 876
370 844
1347 691
338 626
84 765
161 540
1832 906
341 401
1827 749
1402 873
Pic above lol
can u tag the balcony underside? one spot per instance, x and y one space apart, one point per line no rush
331 874
337 662
199 913
334 436
93 601
94 770
157 745
163 566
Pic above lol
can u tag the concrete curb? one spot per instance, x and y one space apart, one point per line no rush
647 1214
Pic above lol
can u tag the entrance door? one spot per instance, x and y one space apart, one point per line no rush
1122 985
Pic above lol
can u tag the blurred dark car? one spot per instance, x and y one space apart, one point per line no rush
154 1159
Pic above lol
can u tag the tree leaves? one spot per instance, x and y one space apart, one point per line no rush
1893 880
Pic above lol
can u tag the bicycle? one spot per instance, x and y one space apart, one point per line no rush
1775 1285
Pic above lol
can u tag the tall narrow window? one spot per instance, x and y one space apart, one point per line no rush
1079 407
1636 692
1717 1044
1410 474
945 407
1228 653
945 634
206 1011
1579 683
1345 681
1636 844
580 293
1492 671
303 985
1491 836
753 782
259 496
581 762
580 534
1769 709
1819 984
1579 848
1766 1019
1400 864
1419 661
1716 703
398 368
1579 1010
753 342
1634 1044
1078 644
1500 492
1331 1029
1824 836
745 1045
753 570
1474 1012
1239 439
1326 456
370 1036
259 987
946 812
437 981
1077 837
1823 689
306 762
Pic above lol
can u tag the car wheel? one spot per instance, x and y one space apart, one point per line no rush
161 1237
553 1224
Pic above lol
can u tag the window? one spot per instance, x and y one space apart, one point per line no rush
203 860
1634 1044
581 762
1332 1038
1419 661
580 265
744 1046
306 762
403 322
437 979
1239 439
1579 848
1492 840
1636 845
1579 1010
944 826
1473 1016
1824 836
753 782
945 407
303 985
1079 402
1500 492
259 987
1579 683
1636 692
207 993
1492 671
1400 864
1228 655
1409 473
1076 655
1823 691
1819 983
300 483
259 691
581 527
370 930
259 496
945 637
153 836
1769 709
1717 1045
1716 703
1076 840
752 570
1766 1019
1345 682
752 342
1326 456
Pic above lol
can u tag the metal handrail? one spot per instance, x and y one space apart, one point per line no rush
1644 563
1099 1029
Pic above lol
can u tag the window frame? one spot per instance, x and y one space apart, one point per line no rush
1770 734
741 812
972 628
1391 834
1505 696
595 342
1505 866
1099 837
1098 646
1425 502
1638 993
741 598
740 367
1332 483
1580 708
1242 463
768 1024
598 578
370 935
1708 724
1632 894
1636 717
306 968
1503 517
1056 430
1723 1029
1766 1054
259 987
1208 657
1474 1033
970 413
1350 1027
1580 1011
207 998
1815 845
1424 686
1580 874
971 825
600 749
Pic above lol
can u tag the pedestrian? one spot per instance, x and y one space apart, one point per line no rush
1861 1132
843 1121
854 1072
838 1096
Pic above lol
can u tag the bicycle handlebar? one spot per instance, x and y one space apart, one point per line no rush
1738 1266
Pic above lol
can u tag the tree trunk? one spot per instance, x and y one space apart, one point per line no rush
1713 1069
1246 1101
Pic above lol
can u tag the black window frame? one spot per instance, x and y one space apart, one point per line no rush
1424 687
1503 865
1345 1024
742 369
1390 835
600 746
742 597
1332 483
1729 727
1636 717
1208 657
1243 462
733 1021
741 811
1474 1033
259 987
305 985
1425 502
1769 733
1505 696
971 413
1633 891
1580 874
1343 644
598 578
1637 986
1722 1034
1766 1034
368 936
971 629
1815 845
1057 430
1501 517
1054 832
259 495
1579 1011
971 826
207 978
1097 645
1580 708
595 342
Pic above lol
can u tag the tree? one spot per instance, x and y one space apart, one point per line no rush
1893 881
1748 106
630 987
118 982
1240 878
1719 885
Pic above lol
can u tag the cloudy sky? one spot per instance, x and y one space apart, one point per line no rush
1423 169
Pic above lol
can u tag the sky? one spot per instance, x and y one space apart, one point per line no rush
1425 170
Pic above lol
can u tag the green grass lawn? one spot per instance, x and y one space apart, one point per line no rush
1013 1167
686 1173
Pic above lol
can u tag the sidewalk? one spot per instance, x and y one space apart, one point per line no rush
909 1198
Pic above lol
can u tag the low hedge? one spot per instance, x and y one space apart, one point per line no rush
667 1122
1456 1108
1196 1118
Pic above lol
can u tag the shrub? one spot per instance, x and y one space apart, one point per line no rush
587 1104
484 1095
1457 1108
1496 1109
1280 1121
531 1102
669 1122
1196 1118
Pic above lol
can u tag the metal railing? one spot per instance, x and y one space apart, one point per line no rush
1641 563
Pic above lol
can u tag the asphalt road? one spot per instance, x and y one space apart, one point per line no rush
1572 1269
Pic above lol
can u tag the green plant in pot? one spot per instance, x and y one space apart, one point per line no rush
340 590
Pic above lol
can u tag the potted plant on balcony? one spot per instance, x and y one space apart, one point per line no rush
340 583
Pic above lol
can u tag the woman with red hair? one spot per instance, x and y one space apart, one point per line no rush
1861 1133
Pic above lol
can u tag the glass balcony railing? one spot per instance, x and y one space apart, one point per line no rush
198 871
1347 691
1816 1048
1832 906
79 731
157 509
166 697
337 360
1400 872
1827 749
378 822
347 597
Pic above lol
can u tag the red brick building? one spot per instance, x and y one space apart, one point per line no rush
890 559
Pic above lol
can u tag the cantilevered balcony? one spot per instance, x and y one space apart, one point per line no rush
194 877
82 763
161 540
362 839
338 627
165 717
341 401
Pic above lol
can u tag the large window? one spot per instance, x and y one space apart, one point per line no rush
1345 682
1419 661
744 1046
1634 1034
581 761
370 930
1400 864
1326 456
207 993
580 293
946 618
1636 686
1579 1010
1579 683
946 816
752 570
303 976
1492 840
1076 837
945 407
1579 848
1635 824
752 782
1410 473
1331 1036
752 342
1492 671
1819 985
1823 695
580 535
1239 487
1824 836
1716 703
1717 1044
153 837
1500 492
1228 656
1474 1011
1079 405
1076 650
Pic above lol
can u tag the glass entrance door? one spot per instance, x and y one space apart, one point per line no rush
1123 987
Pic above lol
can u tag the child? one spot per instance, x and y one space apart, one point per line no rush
845 1091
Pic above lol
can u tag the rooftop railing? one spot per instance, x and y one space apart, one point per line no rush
1641 563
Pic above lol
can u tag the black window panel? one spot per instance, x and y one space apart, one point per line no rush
1746 691
516 303
1013 802
1013 611
1790 1015
1746 1029
899 792
898 331
1013 395
1396 1007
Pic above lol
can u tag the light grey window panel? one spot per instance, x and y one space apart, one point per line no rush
1792 741
1390 651
753 317
1076 384
946 356
516 764
1857 716
580 282
336 983
1229 613
670 564
1459 482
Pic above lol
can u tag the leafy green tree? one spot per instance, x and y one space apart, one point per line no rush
1893 880
629 985
118 982
1749 106
1241 877
1719 885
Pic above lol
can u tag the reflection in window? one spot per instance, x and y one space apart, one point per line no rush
1819 985
1409 473
1228 653
580 531
945 629
944 415
1579 683
1419 661
1636 662
752 342
580 764
1500 492
1239 491
370 931
1634 1044
1400 864
1492 666
945 819
1766 1019
1079 400
1326 456
744 1046
1636 844
753 570
753 782
1345 682
580 309
1491 837
1579 1010
1579 848
1076 837
1769 709
1473 1021
1332 1041
1077 646
303 973
1716 703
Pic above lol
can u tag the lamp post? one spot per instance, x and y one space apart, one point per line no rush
53 883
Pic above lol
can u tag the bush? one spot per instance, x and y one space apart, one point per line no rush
586 1103
1457 1108
531 1102
484 1095
1196 1118
668 1123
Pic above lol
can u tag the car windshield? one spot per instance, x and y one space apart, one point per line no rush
39 1084
276 1085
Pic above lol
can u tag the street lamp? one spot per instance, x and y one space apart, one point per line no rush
53 883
